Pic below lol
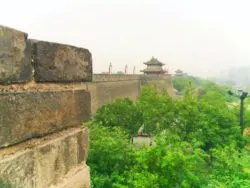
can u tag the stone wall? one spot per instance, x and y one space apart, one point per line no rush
115 77
43 103
47 91
108 87
162 82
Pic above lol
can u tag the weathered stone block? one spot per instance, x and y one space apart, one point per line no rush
77 178
15 57
61 63
19 165
45 161
26 115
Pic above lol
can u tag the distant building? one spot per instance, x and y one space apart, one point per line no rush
153 67
179 72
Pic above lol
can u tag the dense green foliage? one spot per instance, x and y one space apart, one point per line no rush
203 87
247 112
5 184
110 154
181 82
157 111
197 142
122 113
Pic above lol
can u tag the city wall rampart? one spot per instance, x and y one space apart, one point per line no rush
47 91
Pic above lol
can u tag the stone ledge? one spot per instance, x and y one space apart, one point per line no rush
27 115
41 87
54 62
15 56
44 162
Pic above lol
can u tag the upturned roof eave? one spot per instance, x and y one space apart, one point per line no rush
151 71
149 63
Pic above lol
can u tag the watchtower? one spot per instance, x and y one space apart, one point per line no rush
154 66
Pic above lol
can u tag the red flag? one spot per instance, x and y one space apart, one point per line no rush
110 68
126 69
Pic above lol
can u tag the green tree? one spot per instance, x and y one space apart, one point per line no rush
157 109
110 155
206 121
198 141
182 82
229 167
170 163
120 113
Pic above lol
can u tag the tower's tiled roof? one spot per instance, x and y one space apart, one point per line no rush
153 61
154 66
179 71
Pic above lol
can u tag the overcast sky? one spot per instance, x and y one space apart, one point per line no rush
200 37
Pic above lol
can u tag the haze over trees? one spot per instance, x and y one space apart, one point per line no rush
237 76
198 140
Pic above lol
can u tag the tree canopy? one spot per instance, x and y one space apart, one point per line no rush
198 141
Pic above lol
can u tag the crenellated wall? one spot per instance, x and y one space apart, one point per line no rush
47 90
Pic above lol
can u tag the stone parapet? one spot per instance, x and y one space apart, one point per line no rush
155 77
15 56
23 60
114 77
55 62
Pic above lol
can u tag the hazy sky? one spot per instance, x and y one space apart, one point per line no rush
201 37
